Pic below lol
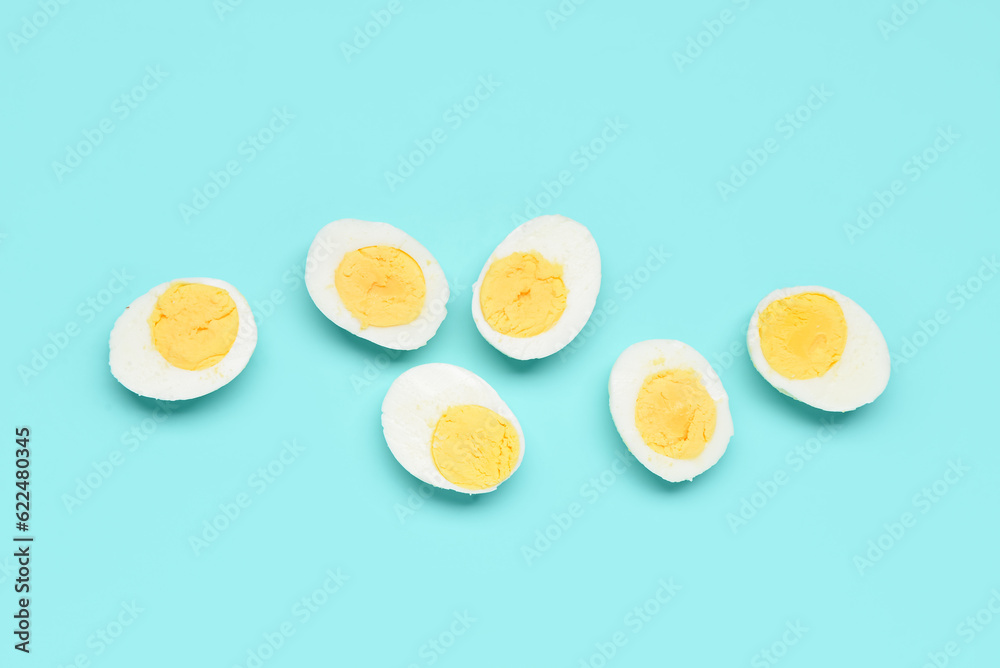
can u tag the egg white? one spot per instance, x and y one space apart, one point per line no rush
859 376
415 402
566 242
629 373
343 236
140 367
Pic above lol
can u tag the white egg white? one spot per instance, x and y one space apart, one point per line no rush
140 367
566 242
857 378
344 236
629 373
415 402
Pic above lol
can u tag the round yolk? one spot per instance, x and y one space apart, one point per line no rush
474 447
194 325
381 286
675 414
802 336
523 295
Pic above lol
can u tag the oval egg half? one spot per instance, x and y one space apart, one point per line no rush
670 408
817 346
183 339
538 288
450 429
377 282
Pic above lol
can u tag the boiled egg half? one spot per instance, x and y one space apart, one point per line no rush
538 288
183 339
450 429
377 282
817 346
670 408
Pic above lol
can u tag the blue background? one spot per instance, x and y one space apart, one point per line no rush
343 502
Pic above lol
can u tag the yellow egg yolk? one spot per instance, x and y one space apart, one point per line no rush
194 325
675 414
802 336
474 447
523 295
381 286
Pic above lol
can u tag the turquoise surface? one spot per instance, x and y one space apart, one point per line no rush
717 150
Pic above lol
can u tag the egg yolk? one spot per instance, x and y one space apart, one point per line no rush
474 447
675 414
381 286
523 295
194 325
802 336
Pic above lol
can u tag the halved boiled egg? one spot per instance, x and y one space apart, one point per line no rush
183 339
450 429
817 346
670 408
377 282
538 288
